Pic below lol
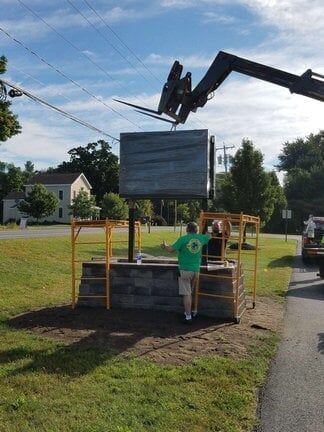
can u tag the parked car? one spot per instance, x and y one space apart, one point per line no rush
312 239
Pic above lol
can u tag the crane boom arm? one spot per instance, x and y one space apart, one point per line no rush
178 99
308 84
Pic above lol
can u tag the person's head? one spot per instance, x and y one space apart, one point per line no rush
192 228
216 227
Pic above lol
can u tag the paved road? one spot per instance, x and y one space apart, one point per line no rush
64 231
293 398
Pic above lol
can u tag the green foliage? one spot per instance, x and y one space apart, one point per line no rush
303 160
183 213
11 179
83 206
39 203
29 171
275 224
302 153
114 207
98 164
9 125
81 386
143 208
248 187
194 207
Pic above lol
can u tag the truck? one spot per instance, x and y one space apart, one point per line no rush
313 242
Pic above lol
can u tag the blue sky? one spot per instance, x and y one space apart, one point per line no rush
110 37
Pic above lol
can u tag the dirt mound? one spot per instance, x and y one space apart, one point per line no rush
159 336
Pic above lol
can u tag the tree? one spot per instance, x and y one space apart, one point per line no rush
302 153
183 212
303 161
84 206
29 171
9 125
248 188
11 179
99 165
143 208
114 207
275 223
39 203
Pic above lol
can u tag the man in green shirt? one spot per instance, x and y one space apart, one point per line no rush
189 248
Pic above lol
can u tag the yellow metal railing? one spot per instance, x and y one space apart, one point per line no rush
108 225
240 224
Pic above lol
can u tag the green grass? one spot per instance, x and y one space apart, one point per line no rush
45 385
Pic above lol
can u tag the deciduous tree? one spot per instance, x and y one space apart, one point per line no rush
39 203
84 206
9 125
99 165
247 188
114 207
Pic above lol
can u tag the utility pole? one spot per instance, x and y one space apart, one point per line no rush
224 148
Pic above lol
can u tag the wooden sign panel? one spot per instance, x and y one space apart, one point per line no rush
164 164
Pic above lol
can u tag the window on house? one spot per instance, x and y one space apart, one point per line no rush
60 194
74 194
60 212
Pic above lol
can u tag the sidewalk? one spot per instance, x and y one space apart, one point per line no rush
293 398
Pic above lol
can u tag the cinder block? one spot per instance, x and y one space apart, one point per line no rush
168 301
122 300
140 273
165 287
141 290
142 301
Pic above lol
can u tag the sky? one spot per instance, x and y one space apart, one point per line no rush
80 54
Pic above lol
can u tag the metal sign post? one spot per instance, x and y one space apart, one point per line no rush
286 214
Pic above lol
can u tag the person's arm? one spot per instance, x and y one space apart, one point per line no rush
167 247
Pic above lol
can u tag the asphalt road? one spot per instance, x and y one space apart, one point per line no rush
64 231
293 398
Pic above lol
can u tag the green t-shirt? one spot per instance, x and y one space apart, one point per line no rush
189 249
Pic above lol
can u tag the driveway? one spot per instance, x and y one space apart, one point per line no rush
293 398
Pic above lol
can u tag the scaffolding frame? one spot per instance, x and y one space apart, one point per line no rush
108 225
241 221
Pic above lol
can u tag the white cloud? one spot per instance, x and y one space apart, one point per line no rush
192 61
215 17
37 143
266 114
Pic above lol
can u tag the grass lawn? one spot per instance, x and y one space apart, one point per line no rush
45 385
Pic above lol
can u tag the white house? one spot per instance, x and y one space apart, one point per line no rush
64 186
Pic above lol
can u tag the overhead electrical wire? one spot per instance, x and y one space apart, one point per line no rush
121 40
73 46
67 77
39 82
59 110
86 56
106 39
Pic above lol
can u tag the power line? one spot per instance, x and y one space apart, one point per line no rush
120 39
86 56
73 45
39 81
66 77
107 40
59 110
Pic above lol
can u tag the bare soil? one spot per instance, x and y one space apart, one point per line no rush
158 336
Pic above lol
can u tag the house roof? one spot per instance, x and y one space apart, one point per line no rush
56 178
14 195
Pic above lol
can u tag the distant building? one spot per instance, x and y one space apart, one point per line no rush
64 186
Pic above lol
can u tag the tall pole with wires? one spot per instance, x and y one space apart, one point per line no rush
225 156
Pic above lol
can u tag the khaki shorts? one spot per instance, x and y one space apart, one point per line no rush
187 281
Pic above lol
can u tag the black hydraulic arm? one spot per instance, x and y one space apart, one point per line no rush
307 84
178 99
